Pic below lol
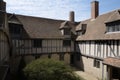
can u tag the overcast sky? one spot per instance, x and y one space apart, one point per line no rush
59 9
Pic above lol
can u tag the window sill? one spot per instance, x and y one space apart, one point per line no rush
112 32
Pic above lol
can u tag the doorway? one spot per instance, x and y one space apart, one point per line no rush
71 59
115 73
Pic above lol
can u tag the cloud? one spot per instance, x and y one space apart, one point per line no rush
56 9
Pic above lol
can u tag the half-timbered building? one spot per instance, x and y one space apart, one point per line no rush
36 37
93 45
98 43
5 44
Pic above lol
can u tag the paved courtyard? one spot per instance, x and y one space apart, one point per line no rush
85 75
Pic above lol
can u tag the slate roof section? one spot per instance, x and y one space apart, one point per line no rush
37 27
112 61
40 27
114 17
96 29
64 25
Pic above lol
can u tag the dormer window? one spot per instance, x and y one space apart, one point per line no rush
66 31
113 26
79 33
65 28
82 29
15 28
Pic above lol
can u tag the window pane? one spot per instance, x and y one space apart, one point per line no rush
116 28
119 27
110 29
14 28
37 43
113 27
79 33
66 31
67 43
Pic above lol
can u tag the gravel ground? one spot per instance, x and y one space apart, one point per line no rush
86 76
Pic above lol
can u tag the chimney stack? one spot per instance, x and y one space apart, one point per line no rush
2 6
2 12
71 16
94 9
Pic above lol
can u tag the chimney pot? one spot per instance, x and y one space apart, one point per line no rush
94 9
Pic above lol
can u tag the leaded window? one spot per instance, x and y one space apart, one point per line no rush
66 43
15 28
113 26
66 31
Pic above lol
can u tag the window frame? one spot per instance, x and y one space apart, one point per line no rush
15 29
67 31
96 63
113 26
66 43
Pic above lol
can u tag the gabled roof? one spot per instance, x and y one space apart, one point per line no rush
96 29
79 27
70 25
40 27
66 24
13 19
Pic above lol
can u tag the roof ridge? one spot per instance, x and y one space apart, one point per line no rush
37 17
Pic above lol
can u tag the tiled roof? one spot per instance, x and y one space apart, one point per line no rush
79 27
71 25
115 16
64 25
96 29
115 62
37 27
40 27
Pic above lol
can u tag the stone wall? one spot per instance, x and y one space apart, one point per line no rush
87 65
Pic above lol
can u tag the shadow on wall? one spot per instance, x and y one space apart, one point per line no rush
78 59
16 72
20 73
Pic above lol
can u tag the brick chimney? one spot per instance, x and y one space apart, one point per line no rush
2 5
71 16
2 12
94 9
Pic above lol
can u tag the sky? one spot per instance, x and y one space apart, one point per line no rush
59 9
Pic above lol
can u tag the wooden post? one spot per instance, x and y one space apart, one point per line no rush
102 71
